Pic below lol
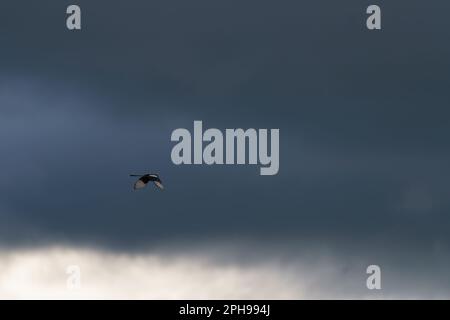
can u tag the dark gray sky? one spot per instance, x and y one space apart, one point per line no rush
363 118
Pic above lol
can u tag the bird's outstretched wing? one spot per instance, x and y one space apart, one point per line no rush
159 184
139 184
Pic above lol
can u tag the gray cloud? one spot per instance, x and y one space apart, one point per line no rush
68 164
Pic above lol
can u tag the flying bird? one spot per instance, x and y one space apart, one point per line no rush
146 178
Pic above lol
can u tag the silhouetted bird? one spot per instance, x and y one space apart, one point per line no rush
146 178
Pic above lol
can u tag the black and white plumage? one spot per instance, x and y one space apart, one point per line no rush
146 178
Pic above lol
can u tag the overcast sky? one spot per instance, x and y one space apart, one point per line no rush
363 118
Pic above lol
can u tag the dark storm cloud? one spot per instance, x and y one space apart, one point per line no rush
311 66
362 117
66 179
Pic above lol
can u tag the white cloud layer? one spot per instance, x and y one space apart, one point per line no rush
42 274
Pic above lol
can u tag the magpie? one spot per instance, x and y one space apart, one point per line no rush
146 178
